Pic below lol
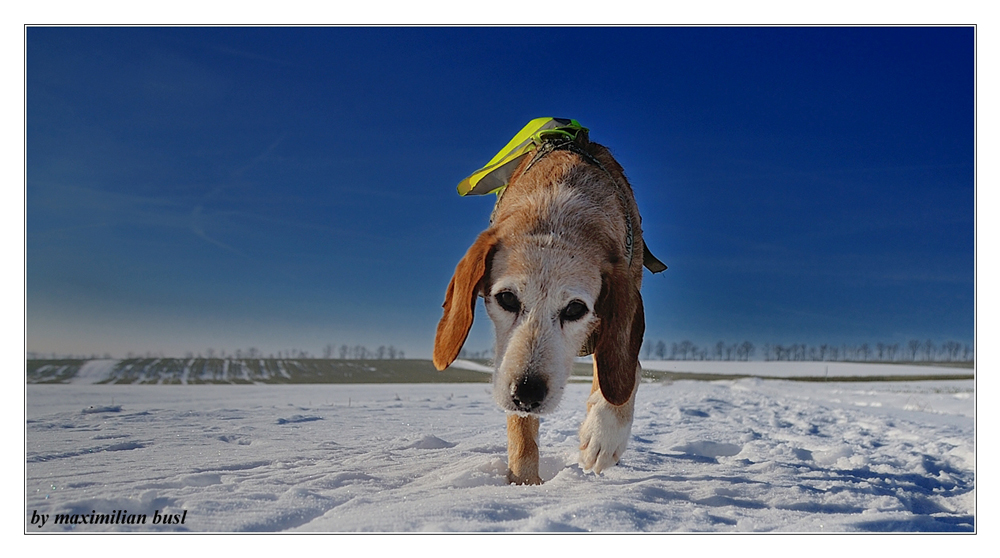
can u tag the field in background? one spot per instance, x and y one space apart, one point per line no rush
243 371
416 371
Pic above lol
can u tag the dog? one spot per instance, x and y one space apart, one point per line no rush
559 269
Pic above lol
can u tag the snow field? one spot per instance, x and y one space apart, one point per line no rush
747 455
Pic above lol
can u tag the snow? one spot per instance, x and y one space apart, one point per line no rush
94 371
469 365
742 455
785 369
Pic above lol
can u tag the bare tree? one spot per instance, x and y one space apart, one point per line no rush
928 350
951 350
778 352
687 347
864 351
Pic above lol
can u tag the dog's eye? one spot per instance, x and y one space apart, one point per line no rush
574 311
508 301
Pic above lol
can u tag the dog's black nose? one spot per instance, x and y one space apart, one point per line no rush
528 393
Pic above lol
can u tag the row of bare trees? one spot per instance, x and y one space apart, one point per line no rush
360 352
344 352
330 351
912 351
686 350
355 352
36 355
249 353
485 354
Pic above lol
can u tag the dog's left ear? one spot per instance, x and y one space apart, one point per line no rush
619 336
460 301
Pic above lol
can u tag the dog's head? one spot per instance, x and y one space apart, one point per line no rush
545 299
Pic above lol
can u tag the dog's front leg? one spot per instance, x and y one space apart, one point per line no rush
606 429
522 449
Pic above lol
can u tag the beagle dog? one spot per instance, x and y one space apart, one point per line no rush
559 268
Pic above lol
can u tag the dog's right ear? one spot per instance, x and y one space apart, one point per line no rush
460 301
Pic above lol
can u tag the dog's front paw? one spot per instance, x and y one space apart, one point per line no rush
604 434
528 478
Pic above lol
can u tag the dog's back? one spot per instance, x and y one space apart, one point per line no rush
591 205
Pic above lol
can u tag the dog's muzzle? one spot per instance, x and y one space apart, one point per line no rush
528 393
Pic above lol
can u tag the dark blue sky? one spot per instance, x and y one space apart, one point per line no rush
290 187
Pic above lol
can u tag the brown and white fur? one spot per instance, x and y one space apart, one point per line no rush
557 241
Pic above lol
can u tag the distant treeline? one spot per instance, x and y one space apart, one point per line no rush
331 351
486 354
912 351
360 352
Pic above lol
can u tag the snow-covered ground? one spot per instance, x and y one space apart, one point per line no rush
804 369
93 371
728 455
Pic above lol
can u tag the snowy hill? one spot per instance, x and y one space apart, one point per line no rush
246 371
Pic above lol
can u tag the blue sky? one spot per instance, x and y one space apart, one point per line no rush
286 188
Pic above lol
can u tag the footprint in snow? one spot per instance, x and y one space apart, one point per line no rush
430 442
709 449
298 418
102 409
